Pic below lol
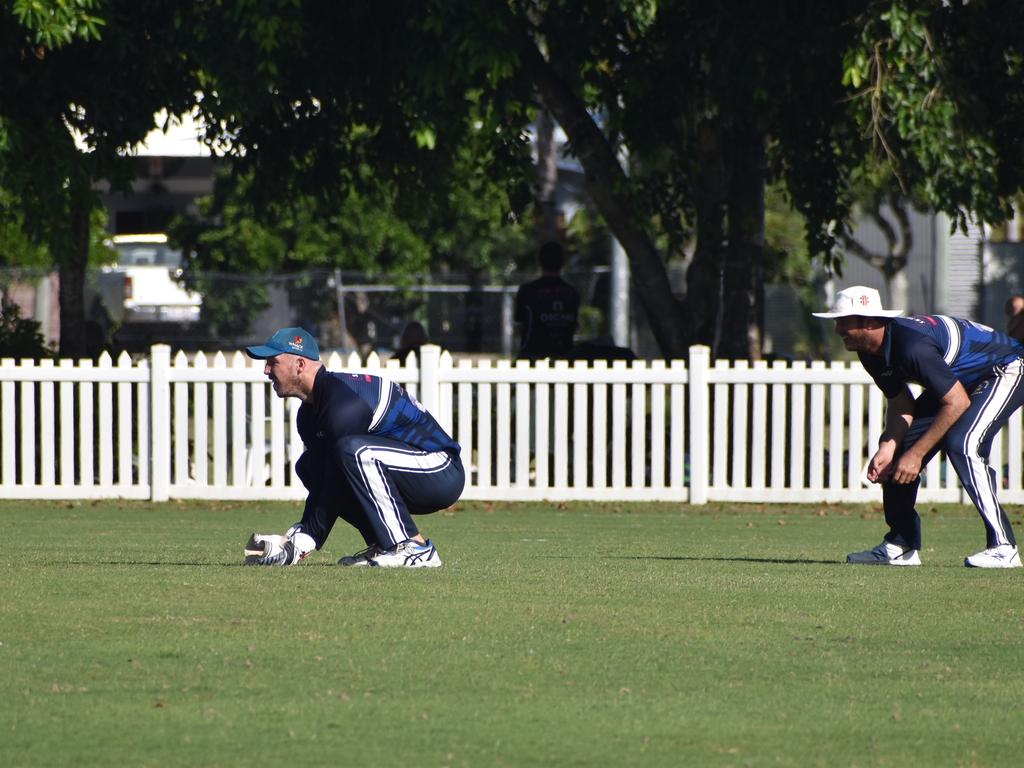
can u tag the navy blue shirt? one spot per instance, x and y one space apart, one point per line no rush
936 351
360 404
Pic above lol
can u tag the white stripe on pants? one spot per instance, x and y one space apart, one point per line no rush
968 442
388 510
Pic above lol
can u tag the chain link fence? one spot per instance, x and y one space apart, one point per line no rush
468 313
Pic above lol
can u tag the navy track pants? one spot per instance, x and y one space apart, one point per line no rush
967 445
376 484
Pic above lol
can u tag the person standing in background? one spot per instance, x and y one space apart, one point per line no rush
1015 317
547 309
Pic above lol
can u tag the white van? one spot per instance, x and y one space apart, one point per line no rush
146 279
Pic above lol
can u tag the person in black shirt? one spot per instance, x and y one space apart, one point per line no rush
374 457
414 336
547 309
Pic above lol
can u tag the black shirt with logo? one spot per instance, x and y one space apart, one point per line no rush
547 310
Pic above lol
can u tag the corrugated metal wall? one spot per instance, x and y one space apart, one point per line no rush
964 276
856 271
943 273
1002 269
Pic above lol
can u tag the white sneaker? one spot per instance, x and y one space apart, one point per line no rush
886 553
408 554
361 558
1003 556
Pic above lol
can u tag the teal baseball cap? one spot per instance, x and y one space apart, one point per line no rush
288 341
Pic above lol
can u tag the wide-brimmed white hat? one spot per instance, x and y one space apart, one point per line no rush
858 301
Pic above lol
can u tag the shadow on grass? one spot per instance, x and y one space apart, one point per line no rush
771 560
181 563
332 564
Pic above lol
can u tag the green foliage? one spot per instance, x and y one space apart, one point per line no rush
56 23
396 158
100 79
344 94
414 130
700 74
370 230
788 262
20 337
79 73
17 248
938 87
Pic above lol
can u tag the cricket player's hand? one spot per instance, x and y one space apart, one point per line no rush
269 549
881 465
907 469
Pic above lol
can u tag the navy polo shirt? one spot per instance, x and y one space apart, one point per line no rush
936 351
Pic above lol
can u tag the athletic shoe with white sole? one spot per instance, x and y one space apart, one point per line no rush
1003 556
361 558
408 554
886 553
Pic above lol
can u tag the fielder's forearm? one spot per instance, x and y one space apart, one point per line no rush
899 415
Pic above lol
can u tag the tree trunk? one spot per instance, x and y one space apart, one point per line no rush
899 238
608 185
741 334
547 177
897 289
72 284
704 275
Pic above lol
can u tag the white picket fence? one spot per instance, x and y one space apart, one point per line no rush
687 431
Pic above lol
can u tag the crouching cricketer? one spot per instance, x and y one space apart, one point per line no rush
373 457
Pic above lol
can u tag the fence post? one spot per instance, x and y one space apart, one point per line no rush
699 398
430 382
159 422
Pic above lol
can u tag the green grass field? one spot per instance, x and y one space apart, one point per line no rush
555 635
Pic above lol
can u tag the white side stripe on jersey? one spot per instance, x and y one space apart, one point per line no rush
383 402
955 339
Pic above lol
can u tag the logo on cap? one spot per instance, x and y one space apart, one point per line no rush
864 301
296 342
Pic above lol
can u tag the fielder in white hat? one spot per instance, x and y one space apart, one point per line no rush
858 301
972 379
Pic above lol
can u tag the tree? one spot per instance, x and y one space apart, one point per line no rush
939 88
880 201
377 97
714 102
235 238
98 70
